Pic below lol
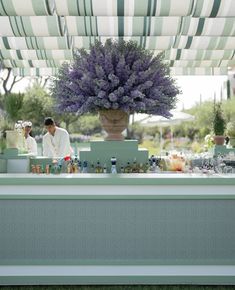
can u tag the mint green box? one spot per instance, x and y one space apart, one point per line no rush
124 151
3 165
221 149
13 162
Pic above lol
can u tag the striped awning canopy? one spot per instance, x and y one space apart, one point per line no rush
197 36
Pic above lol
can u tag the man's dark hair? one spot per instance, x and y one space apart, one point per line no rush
49 121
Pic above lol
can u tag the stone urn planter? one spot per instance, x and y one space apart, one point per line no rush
218 125
114 122
219 139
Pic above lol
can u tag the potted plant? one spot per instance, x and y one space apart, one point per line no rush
219 125
115 79
230 130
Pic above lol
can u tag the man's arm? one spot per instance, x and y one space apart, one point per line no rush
64 148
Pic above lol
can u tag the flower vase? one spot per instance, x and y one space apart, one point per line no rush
219 140
114 122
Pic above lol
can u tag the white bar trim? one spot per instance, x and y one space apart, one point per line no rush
188 270
117 190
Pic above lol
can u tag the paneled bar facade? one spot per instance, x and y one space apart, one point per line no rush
123 229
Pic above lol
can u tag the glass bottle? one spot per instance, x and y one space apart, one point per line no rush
135 167
113 166
98 168
122 169
79 166
47 169
70 167
127 169
85 167
92 168
141 168
33 168
75 165
146 167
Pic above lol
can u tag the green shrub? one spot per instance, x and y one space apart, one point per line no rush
218 123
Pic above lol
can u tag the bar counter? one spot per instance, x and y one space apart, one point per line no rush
168 228
164 178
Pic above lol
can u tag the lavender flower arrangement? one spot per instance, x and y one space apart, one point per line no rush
115 75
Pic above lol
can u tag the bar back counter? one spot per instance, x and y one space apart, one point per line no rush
117 229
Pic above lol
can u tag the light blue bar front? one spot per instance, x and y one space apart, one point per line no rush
148 223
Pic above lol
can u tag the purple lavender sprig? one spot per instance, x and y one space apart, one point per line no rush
115 75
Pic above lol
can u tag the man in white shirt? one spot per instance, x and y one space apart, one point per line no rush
56 141
31 144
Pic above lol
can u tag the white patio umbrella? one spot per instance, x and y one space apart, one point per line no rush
152 120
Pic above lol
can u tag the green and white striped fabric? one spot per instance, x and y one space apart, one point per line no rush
32 63
124 7
149 26
115 26
153 42
208 26
199 71
166 42
122 26
172 54
198 8
202 63
173 63
31 26
37 72
199 54
63 42
36 54
214 8
174 71
26 7
204 42
197 36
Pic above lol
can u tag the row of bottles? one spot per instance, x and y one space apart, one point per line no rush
156 165
74 165
129 167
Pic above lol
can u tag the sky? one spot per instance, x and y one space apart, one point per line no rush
193 89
